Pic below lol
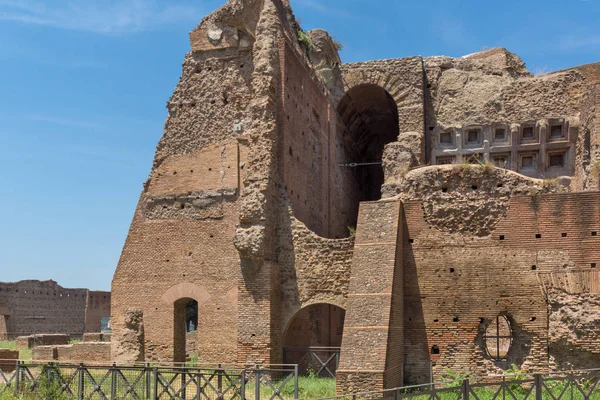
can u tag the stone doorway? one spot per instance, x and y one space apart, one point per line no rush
313 339
185 319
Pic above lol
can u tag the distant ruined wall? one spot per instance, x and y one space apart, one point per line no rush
28 307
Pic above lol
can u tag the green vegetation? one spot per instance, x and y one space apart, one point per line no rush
352 231
24 354
305 41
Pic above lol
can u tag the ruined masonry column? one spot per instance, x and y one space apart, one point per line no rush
372 345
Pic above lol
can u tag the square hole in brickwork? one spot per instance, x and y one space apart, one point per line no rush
435 349
593 265
452 270
533 267
594 233
538 235
501 237
444 190
455 319
411 240
564 234
482 320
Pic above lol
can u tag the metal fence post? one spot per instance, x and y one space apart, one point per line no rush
537 378
465 389
80 378
243 385
113 382
295 381
219 379
17 378
155 383
147 373
257 386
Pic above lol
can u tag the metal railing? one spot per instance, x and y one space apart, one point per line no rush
89 381
322 361
571 385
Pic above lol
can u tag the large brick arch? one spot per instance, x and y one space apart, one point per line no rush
402 78
185 290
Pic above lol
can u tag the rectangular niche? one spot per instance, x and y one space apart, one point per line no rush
473 137
557 130
501 160
557 159
500 134
447 138
444 160
529 133
528 162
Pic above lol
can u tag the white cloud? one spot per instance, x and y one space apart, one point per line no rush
104 17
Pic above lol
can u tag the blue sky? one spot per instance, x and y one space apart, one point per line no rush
83 87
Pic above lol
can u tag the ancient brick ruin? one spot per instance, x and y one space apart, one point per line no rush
464 246
44 307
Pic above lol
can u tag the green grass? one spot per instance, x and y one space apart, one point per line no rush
24 354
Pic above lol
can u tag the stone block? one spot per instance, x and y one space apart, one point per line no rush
90 351
63 352
44 353
8 359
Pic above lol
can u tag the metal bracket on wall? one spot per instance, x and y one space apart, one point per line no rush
352 165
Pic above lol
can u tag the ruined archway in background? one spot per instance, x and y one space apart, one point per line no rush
370 117
313 338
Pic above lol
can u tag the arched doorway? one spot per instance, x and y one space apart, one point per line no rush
370 120
185 320
313 339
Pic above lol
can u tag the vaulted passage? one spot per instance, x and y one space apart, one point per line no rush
185 319
313 338
370 116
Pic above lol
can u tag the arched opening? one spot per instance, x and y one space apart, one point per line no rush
313 339
185 320
370 117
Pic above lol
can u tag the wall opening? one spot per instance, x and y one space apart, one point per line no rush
313 339
498 338
370 117
185 319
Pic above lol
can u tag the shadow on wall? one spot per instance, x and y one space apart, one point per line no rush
417 364
370 117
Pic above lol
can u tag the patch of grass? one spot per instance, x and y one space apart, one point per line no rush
352 231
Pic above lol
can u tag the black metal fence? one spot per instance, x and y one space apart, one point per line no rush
571 385
320 361
79 381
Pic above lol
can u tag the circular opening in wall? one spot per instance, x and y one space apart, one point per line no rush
498 338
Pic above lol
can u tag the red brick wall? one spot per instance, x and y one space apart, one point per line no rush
452 281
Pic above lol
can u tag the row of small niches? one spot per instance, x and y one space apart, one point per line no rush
527 160
529 132
537 236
